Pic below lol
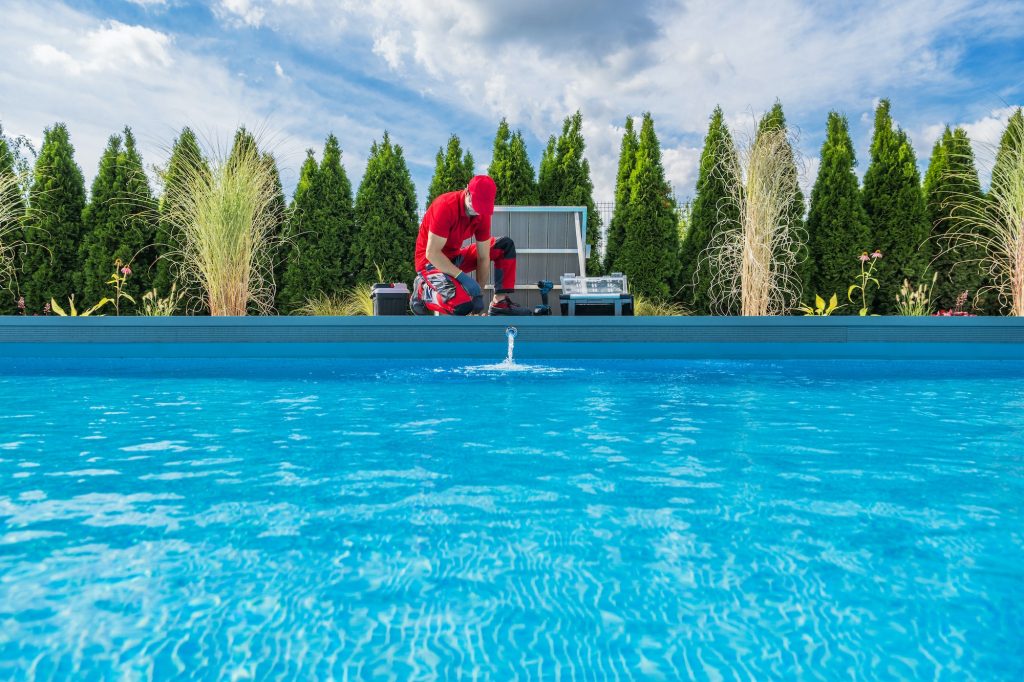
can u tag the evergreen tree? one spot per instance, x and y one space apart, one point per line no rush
565 181
711 211
119 224
775 119
837 224
617 228
11 233
548 183
952 177
321 258
185 156
53 223
244 142
650 246
511 169
453 170
386 216
896 211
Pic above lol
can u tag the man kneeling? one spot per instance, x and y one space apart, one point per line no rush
443 283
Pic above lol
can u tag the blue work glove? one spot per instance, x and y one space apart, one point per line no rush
470 285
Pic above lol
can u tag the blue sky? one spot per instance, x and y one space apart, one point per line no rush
299 69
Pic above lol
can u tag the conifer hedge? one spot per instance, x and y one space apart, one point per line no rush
837 224
321 250
896 211
53 223
119 224
711 210
386 218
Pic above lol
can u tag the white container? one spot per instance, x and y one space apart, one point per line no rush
614 283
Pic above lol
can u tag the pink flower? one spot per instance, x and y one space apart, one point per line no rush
126 271
21 303
864 258
876 255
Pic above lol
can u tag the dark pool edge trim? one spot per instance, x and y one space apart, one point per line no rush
556 337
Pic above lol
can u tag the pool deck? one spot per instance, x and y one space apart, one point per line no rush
949 338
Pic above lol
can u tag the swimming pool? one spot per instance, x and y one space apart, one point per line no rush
569 520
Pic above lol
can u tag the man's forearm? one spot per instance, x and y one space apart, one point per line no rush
483 263
444 264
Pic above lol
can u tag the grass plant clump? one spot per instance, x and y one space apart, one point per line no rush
652 307
154 305
354 301
916 301
995 227
224 215
754 256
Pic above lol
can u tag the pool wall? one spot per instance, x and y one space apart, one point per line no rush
948 338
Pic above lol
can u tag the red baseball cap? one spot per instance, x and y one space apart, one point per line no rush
482 189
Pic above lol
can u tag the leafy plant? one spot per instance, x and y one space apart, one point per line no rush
958 308
74 311
153 305
820 309
915 301
866 277
122 271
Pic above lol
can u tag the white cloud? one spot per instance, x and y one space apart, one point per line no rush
248 12
677 60
388 46
99 76
109 47
466 63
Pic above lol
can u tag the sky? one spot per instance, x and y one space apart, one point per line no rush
297 70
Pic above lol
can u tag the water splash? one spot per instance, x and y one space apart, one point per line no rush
510 334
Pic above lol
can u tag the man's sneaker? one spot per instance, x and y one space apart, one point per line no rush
506 307
418 307
416 304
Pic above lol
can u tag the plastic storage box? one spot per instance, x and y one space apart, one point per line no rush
614 283
390 298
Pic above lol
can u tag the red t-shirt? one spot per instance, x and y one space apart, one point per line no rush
446 217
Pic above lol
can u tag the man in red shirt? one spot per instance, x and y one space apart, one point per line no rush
443 265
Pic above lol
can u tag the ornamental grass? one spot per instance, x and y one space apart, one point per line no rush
754 257
224 213
10 213
354 301
652 307
994 226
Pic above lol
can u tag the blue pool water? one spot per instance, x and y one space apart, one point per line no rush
324 519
